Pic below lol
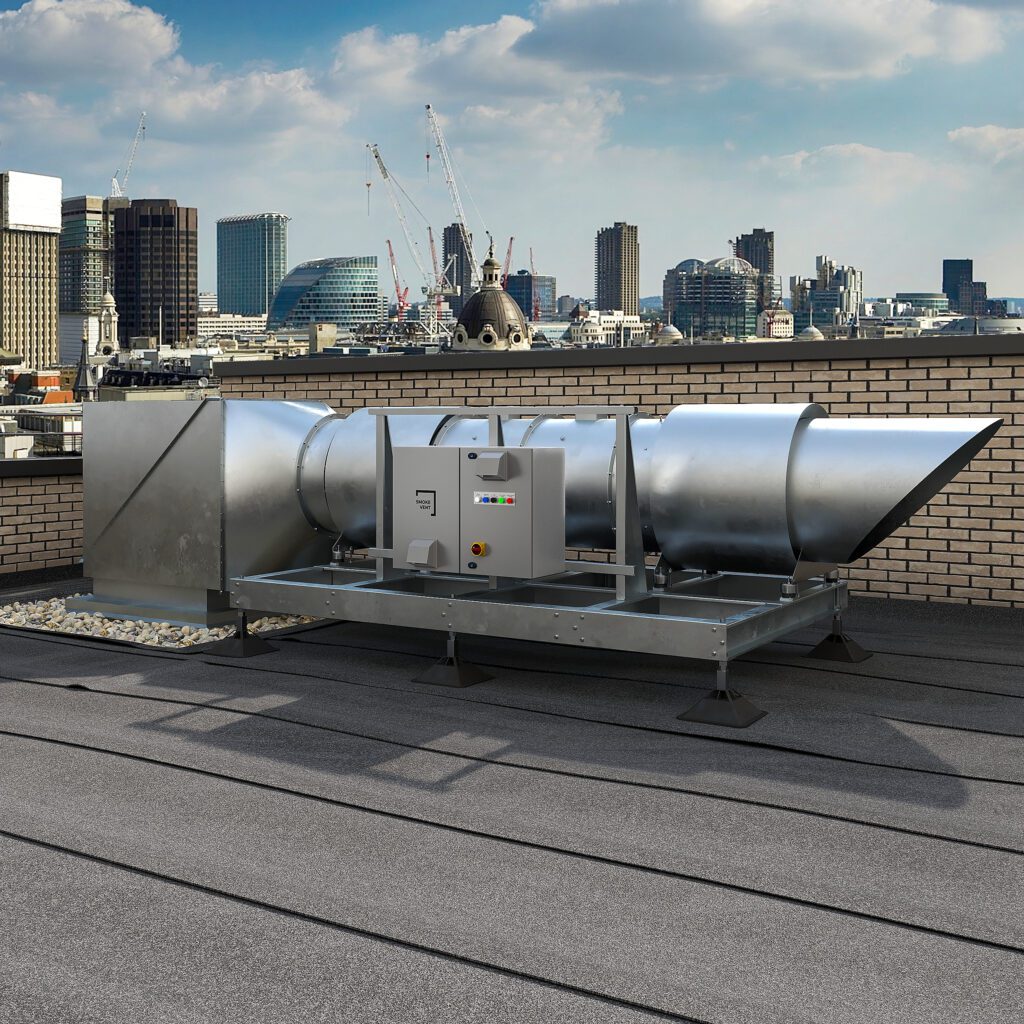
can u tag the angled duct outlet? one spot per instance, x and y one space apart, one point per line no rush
853 482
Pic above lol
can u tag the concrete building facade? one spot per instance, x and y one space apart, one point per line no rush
252 260
156 270
617 268
832 298
776 323
758 249
30 220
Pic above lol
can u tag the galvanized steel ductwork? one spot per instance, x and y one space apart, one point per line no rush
754 488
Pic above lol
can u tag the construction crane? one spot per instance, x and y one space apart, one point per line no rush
771 313
533 288
442 282
393 188
507 266
435 286
453 191
401 294
119 182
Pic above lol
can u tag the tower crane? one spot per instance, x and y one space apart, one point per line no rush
435 286
401 294
453 191
392 188
507 266
119 182
442 281
533 288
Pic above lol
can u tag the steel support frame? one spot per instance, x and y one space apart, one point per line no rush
561 610
713 617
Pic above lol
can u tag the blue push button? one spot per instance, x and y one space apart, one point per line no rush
486 499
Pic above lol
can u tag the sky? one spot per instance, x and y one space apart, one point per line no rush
887 134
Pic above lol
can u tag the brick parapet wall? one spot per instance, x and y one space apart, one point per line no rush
967 545
40 522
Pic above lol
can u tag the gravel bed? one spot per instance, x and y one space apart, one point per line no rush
52 615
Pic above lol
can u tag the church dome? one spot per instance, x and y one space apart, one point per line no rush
108 301
810 333
491 319
728 265
669 335
492 315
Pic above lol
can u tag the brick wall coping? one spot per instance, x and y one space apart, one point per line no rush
55 466
777 351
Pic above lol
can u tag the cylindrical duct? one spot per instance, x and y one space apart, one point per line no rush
752 488
719 484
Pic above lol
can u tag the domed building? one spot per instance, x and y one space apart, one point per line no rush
716 299
491 320
810 333
669 335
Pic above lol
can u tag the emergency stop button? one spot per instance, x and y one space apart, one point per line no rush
478 547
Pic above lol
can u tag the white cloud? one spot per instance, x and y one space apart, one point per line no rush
487 90
779 40
990 142
87 42
880 174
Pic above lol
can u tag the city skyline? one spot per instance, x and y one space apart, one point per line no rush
844 131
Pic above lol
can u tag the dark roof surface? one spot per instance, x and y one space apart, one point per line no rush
310 836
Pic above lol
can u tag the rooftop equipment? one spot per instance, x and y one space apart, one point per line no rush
466 513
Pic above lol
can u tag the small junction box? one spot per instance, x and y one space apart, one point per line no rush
482 511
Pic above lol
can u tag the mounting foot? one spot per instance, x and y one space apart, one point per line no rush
837 646
723 706
242 645
451 670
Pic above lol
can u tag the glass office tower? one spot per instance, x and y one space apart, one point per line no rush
343 291
252 260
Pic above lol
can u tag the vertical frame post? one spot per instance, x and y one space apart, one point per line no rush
629 544
385 485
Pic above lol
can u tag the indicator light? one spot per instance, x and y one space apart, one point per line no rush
478 547
486 499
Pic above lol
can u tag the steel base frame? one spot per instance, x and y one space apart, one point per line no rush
713 617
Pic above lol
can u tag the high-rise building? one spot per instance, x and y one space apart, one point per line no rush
716 299
565 304
758 249
461 273
831 299
29 234
965 295
670 286
86 252
527 289
617 268
343 290
156 270
252 259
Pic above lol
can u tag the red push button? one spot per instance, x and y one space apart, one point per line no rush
478 547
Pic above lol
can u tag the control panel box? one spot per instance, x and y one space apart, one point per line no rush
480 511
425 508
